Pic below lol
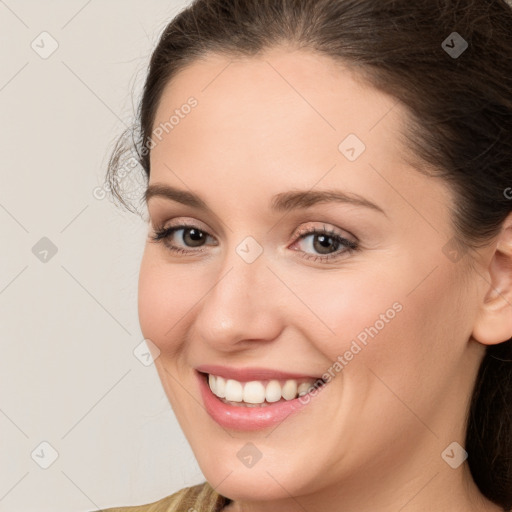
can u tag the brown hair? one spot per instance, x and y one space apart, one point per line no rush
459 127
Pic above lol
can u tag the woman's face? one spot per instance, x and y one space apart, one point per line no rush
254 286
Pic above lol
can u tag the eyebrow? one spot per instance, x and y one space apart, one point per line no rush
282 202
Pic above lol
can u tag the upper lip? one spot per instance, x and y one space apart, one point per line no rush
251 373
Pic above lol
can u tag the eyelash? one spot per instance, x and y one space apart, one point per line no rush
162 234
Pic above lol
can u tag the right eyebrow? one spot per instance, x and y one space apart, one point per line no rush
175 194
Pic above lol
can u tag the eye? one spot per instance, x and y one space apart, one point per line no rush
324 244
315 244
184 234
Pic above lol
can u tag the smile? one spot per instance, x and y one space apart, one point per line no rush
256 404
258 393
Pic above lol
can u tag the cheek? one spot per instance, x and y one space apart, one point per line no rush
386 322
166 294
350 308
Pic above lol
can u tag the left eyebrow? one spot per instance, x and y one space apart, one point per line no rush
286 201
282 202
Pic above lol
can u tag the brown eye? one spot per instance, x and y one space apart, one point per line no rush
193 237
179 238
324 245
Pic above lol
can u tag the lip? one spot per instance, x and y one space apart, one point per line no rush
251 373
250 418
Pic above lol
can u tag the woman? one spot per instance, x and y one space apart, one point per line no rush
327 281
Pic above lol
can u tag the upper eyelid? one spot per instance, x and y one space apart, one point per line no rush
324 229
180 223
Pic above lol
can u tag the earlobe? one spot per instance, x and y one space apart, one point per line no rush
493 324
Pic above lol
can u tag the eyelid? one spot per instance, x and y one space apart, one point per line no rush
324 228
180 221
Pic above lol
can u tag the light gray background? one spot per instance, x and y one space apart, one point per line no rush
69 326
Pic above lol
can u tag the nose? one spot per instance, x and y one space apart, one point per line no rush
243 303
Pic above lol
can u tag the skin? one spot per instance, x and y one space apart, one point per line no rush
372 440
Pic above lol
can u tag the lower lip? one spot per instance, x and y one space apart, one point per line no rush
249 418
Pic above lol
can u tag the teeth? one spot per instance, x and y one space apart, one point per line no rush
259 392
254 392
303 388
273 391
234 391
290 390
219 384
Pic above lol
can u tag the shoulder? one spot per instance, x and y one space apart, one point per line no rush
197 498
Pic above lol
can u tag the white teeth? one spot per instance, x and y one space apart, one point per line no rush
273 391
220 386
289 390
234 391
303 388
256 392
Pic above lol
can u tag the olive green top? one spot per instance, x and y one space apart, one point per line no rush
198 498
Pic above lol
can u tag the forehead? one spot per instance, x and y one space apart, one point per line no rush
274 99
306 93
281 119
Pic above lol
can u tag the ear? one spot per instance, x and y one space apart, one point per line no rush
493 324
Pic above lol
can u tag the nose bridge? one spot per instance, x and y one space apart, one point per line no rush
239 305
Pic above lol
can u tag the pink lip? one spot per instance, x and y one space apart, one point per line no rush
249 418
248 374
